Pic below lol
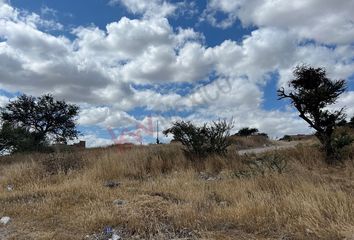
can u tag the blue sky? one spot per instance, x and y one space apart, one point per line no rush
130 63
100 13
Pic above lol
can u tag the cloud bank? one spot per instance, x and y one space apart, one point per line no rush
147 63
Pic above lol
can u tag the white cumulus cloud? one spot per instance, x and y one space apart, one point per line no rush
325 21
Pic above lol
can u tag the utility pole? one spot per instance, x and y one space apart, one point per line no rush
157 132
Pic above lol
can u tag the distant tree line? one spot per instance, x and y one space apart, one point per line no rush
247 131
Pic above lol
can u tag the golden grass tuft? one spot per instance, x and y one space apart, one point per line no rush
169 197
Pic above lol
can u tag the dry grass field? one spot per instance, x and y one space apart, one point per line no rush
166 196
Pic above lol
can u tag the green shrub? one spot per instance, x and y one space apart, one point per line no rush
340 144
200 141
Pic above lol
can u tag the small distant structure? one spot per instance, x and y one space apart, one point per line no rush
81 144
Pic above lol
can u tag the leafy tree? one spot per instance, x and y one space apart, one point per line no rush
351 123
41 119
247 131
18 139
311 93
203 140
342 123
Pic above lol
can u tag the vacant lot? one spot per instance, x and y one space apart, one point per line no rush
156 193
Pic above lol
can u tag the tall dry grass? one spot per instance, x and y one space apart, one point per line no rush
244 142
170 197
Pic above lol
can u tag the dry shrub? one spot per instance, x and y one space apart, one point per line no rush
62 162
262 165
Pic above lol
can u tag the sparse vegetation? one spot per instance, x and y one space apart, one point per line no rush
166 197
268 162
311 93
157 192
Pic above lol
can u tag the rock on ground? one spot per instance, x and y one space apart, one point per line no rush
5 220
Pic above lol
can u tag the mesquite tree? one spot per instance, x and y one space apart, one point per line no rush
311 92
41 119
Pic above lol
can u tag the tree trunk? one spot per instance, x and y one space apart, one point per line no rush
331 157
326 141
